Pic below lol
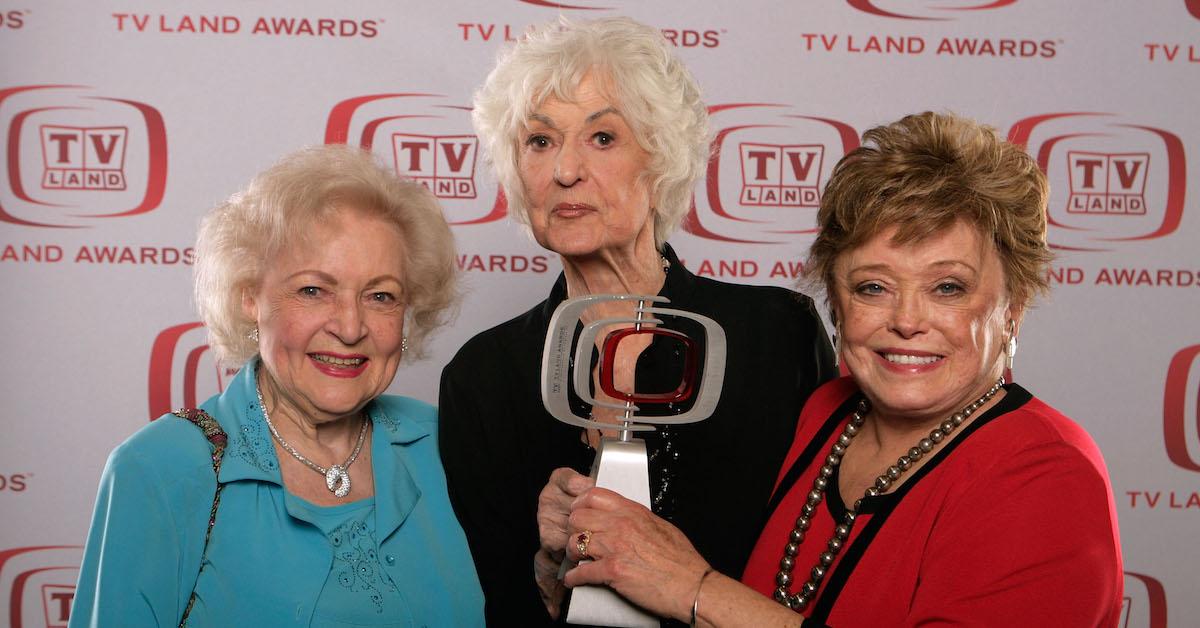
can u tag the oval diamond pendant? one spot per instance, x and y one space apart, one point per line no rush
336 475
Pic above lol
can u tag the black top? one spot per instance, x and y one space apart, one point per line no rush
712 478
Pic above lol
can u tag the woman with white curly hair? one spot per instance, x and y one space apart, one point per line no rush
598 134
316 498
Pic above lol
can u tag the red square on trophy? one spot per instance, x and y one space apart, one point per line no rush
687 383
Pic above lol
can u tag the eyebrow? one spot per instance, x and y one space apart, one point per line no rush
602 113
937 264
327 278
544 119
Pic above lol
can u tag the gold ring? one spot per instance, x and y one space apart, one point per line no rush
581 544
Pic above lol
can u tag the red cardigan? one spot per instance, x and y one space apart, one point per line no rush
1012 523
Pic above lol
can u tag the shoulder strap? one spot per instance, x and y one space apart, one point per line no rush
217 437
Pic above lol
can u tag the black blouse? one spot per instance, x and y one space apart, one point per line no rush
712 479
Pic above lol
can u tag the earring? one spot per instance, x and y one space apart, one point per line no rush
837 355
1010 348
404 344
253 335
837 351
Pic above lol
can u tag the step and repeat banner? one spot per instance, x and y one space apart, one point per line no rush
123 122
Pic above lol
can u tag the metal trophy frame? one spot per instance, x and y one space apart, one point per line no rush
621 463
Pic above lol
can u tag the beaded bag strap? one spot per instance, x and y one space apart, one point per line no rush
217 437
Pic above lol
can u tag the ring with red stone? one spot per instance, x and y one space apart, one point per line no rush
581 544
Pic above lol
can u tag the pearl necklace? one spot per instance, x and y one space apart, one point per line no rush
783 580
337 477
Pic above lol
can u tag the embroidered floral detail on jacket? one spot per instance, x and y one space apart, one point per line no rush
356 562
382 418
253 443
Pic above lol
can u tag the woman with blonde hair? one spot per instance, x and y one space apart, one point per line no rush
328 504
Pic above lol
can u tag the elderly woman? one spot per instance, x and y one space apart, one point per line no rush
331 503
922 489
598 134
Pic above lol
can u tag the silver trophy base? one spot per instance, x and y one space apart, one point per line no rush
622 467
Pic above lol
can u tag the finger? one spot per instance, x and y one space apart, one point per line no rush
562 488
554 504
581 545
606 527
552 532
593 572
603 499
578 484
593 543
569 481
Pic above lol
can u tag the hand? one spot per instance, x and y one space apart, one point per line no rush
641 556
554 506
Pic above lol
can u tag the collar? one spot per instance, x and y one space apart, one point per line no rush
679 284
250 453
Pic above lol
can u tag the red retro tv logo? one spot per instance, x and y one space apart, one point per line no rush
73 156
1112 181
39 584
1144 604
183 370
423 137
764 181
1193 7
925 10
1181 409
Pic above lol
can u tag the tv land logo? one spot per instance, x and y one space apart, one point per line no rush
1144 604
83 158
73 157
1193 7
183 371
444 164
764 181
776 175
1112 181
1107 183
925 10
427 139
1181 409
38 584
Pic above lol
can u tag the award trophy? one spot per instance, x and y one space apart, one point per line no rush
621 463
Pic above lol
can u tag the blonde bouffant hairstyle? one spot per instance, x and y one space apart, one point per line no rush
635 66
921 175
238 238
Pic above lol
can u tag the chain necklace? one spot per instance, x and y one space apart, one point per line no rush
783 580
337 477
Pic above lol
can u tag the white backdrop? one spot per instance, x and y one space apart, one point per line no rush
123 122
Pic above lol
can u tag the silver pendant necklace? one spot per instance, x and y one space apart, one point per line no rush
337 477
783 580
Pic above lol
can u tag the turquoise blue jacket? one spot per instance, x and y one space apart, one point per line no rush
267 564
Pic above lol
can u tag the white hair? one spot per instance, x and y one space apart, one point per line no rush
653 90
279 206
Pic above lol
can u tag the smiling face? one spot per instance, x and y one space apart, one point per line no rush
330 316
923 324
581 172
